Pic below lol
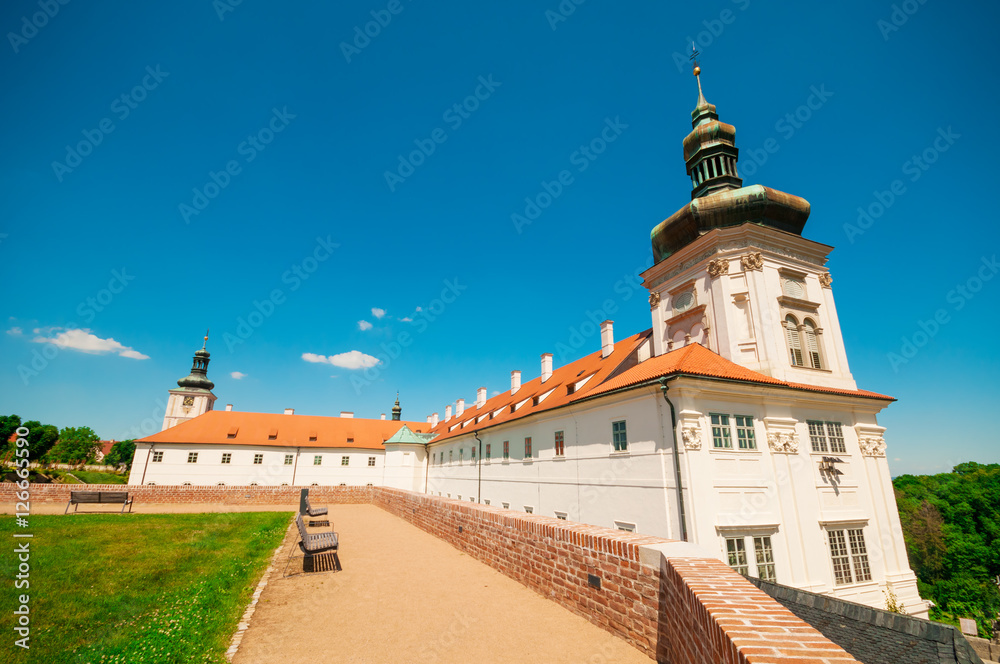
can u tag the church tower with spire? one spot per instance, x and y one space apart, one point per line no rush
733 272
193 395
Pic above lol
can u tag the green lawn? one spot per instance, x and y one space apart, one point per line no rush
135 588
93 477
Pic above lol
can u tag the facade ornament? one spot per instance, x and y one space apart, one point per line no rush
784 442
752 261
825 279
718 267
873 446
692 437
654 299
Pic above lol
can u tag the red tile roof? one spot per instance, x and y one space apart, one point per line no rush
611 374
216 427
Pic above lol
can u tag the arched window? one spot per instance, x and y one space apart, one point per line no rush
794 341
812 343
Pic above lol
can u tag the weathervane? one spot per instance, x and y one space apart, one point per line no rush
696 70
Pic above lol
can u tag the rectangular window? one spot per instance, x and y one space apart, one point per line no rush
744 432
817 436
849 555
227 458
506 449
318 460
561 516
472 453
529 509
157 457
764 557
489 455
506 506
736 554
192 457
527 447
461 454
625 526
288 459
451 455
721 436
345 461
560 444
836 437
618 436
487 501
258 459
371 461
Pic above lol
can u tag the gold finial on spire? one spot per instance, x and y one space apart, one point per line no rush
206 338
696 70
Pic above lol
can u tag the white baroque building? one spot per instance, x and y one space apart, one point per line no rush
733 422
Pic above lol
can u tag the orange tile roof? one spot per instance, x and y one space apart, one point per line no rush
613 373
215 427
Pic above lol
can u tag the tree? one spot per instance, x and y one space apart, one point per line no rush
121 453
76 445
41 438
8 426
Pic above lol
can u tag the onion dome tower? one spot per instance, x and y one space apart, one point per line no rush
193 395
718 197
397 412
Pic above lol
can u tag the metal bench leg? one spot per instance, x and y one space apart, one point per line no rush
67 507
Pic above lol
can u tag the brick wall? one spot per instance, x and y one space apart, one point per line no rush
222 495
666 598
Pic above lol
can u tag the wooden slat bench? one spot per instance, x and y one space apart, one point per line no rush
316 544
77 498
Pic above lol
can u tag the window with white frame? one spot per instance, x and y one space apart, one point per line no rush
849 555
527 447
461 454
371 461
489 455
751 555
472 454
745 438
192 457
227 457
561 515
560 444
345 461
157 457
318 460
625 526
794 340
826 437
506 449
811 338
289 458
619 436
258 459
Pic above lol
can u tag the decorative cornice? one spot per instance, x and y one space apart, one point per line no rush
693 311
692 437
752 261
718 267
796 303
873 446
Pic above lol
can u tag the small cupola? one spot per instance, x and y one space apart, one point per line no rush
710 152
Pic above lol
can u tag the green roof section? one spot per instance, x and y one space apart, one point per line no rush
406 436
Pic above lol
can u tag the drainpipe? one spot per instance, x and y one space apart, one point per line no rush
479 465
146 465
298 451
677 460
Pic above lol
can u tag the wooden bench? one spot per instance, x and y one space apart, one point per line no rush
315 544
77 498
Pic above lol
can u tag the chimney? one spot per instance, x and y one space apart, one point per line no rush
428 419
515 381
229 407
546 366
289 411
434 420
447 412
382 416
607 338
345 413
480 397
459 407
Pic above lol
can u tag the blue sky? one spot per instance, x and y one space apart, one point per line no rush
183 166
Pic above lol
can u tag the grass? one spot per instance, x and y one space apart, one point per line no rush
94 477
135 589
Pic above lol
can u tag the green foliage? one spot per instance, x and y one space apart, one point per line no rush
41 438
76 445
139 588
94 477
8 425
951 524
121 454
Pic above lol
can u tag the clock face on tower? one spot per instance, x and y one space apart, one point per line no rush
188 401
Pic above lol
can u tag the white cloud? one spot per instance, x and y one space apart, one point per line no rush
352 359
15 331
378 313
364 325
406 319
420 308
237 375
85 341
